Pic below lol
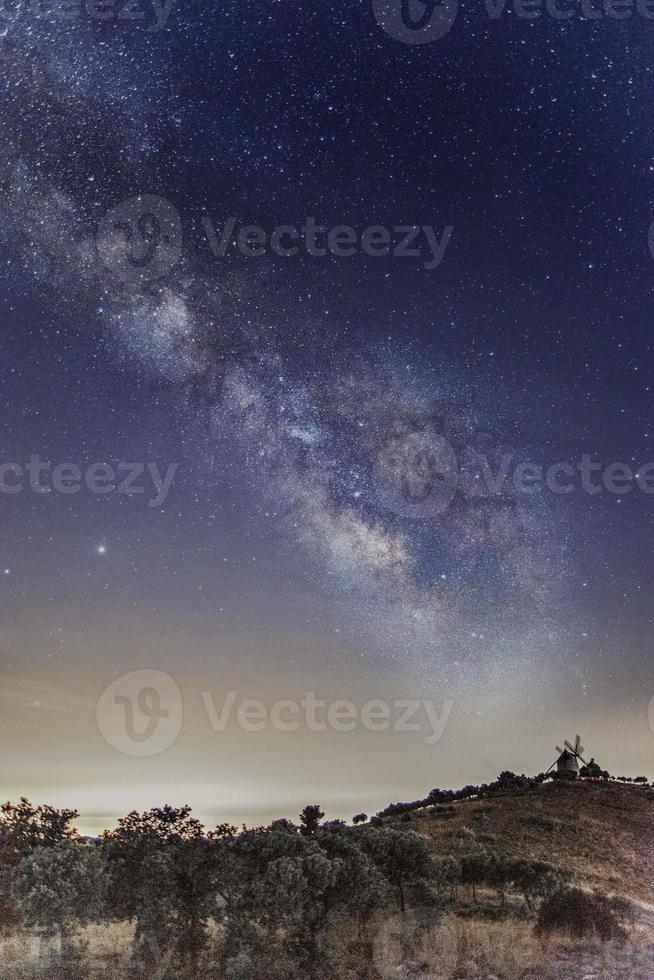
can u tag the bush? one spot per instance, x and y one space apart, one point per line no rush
580 914
442 812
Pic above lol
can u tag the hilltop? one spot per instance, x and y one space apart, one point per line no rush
498 882
603 832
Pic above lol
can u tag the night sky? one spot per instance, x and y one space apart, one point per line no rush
301 395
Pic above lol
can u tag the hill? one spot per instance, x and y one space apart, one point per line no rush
602 832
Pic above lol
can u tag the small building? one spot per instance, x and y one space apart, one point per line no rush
568 759
567 763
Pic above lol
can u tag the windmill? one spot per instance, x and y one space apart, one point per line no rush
569 757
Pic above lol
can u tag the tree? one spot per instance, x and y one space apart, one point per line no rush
474 862
310 819
359 818
535 879
275 884
448 874
24 828
593 771
403 857
283 890
474 868
359 889
498 874
162 874
62 887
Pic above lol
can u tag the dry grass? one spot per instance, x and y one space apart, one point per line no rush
454 949
464 948
459 948
603 833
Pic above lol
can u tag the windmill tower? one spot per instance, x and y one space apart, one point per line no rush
569 758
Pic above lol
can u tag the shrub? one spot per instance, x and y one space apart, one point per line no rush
442 812
579 914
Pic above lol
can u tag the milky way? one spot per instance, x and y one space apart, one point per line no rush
332 450
352 442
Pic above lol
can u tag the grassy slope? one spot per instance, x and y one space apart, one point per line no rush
604 833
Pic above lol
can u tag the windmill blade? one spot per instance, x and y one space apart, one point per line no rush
559 749
575 749
579 756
